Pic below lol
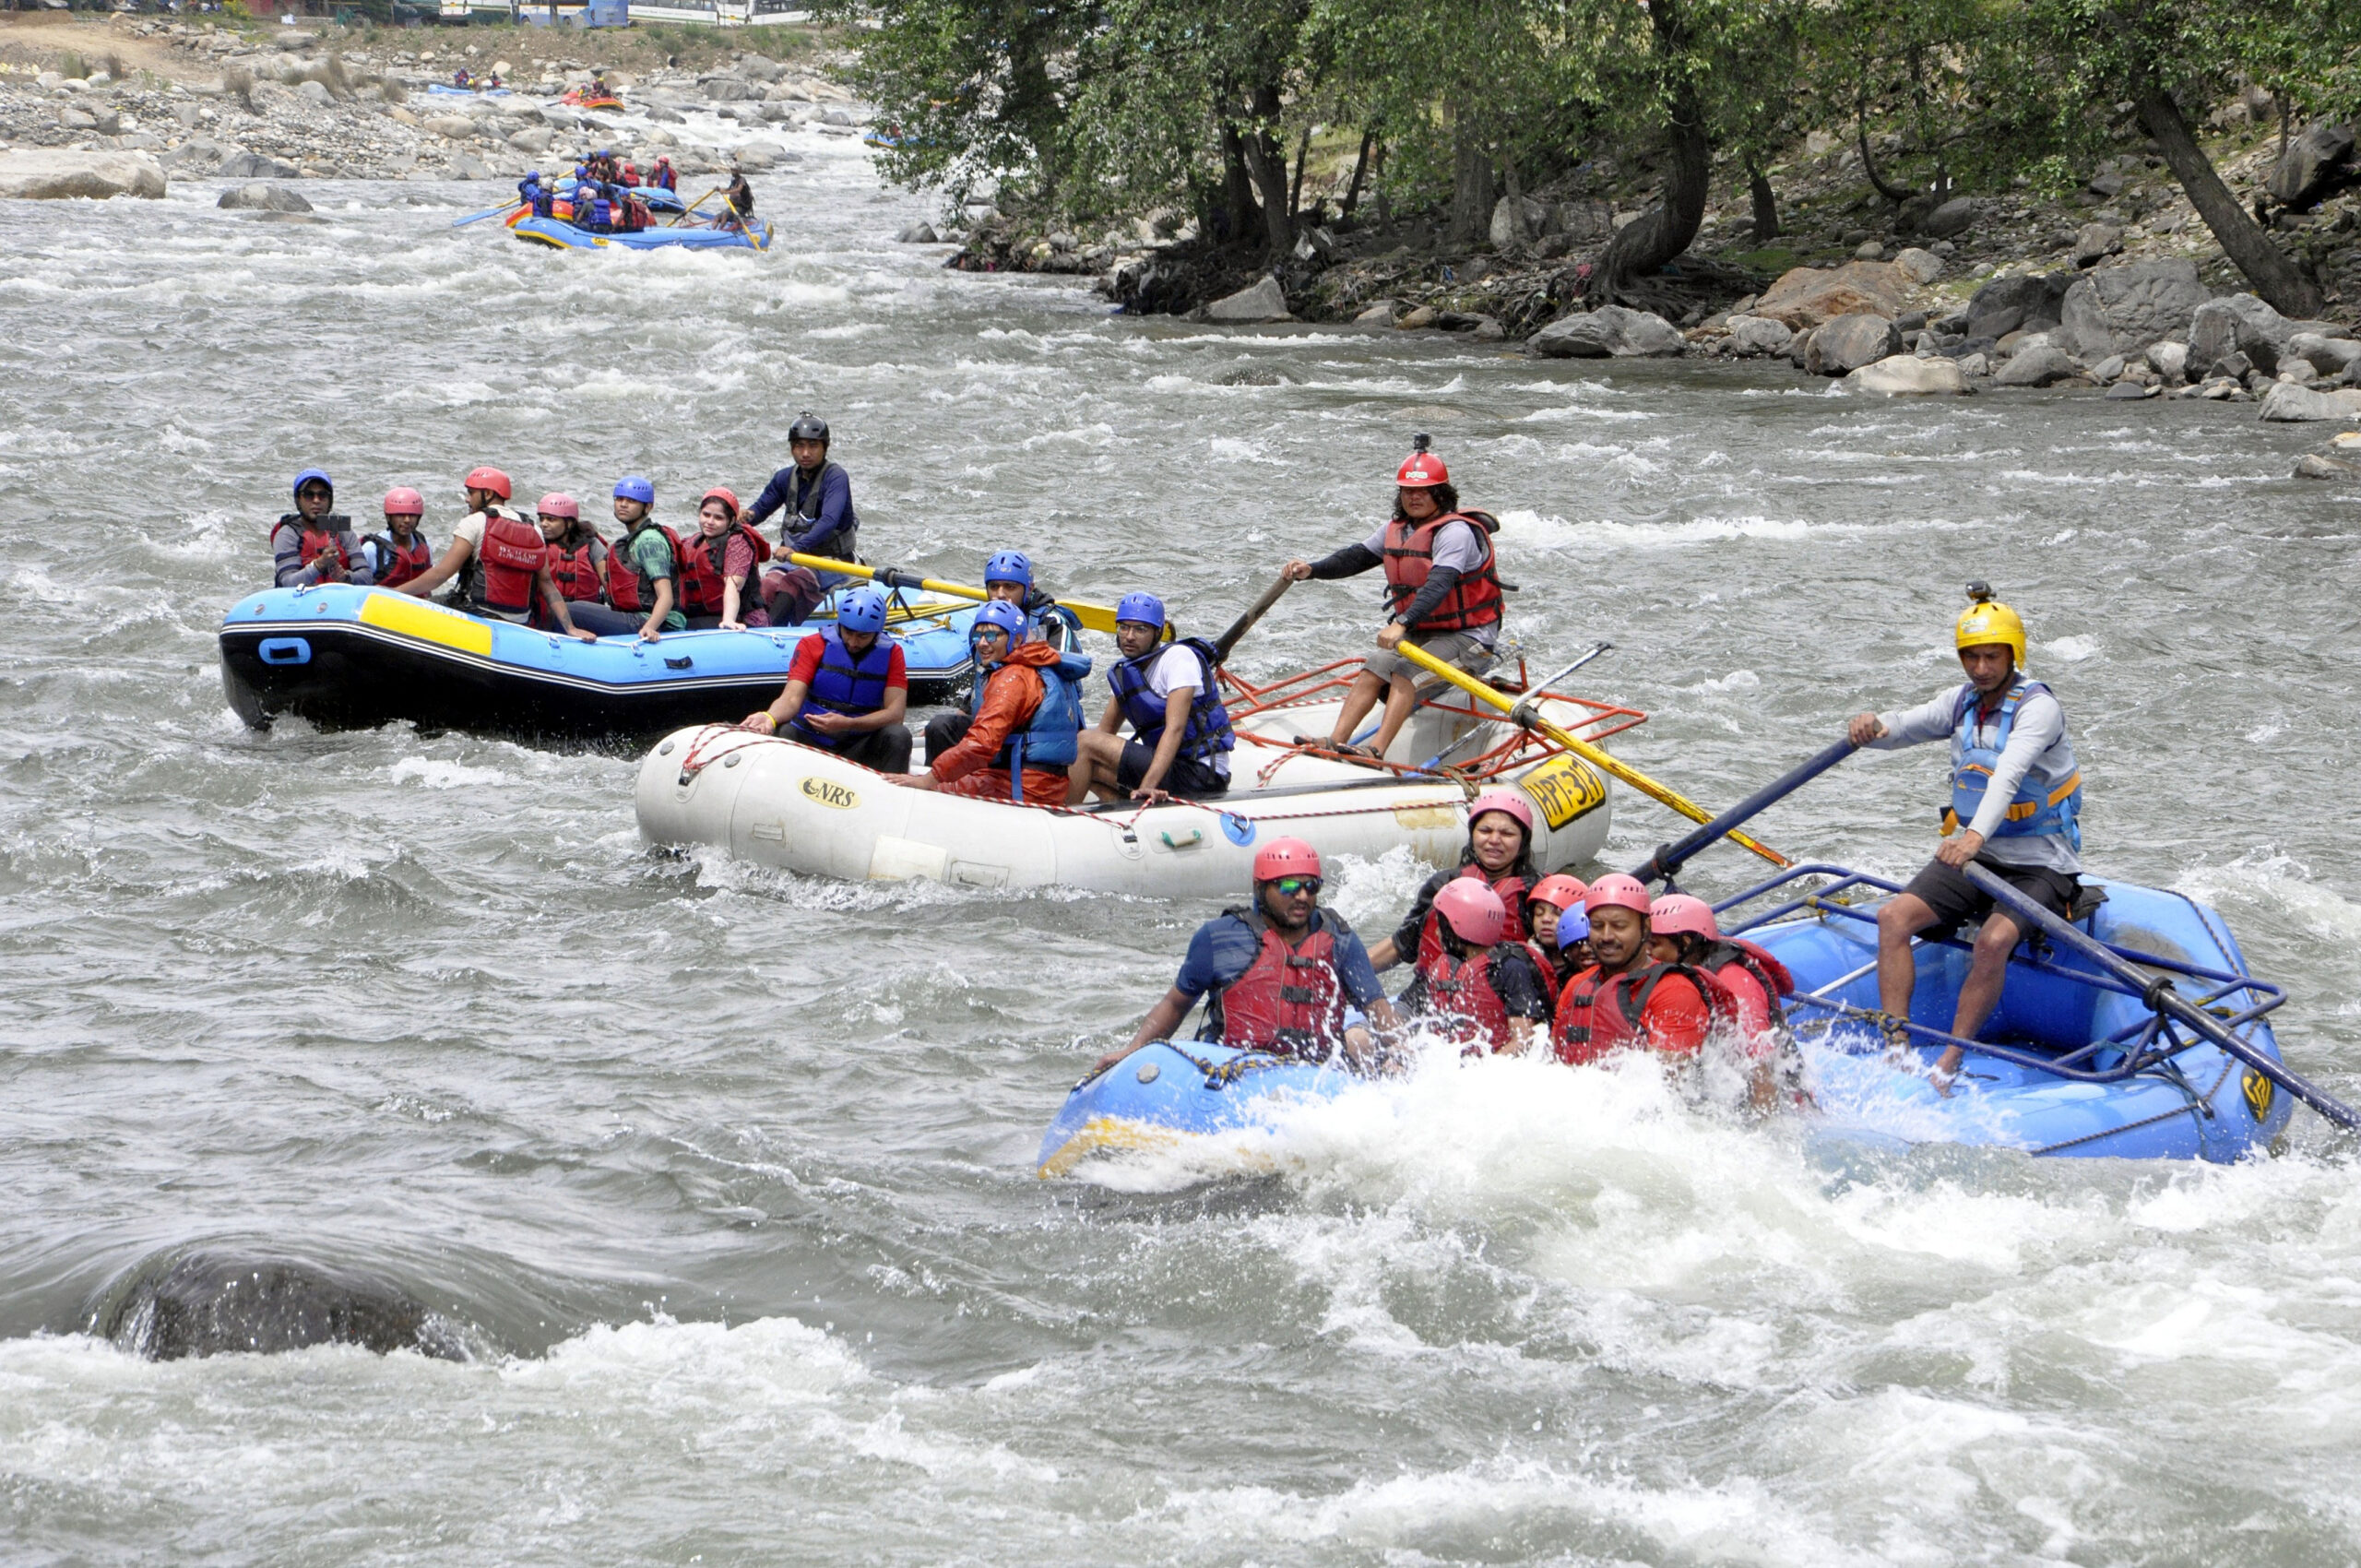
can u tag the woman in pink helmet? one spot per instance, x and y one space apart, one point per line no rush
1499 854
1484 988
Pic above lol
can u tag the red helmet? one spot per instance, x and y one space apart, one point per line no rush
1422 470
557 505
1559 892
1616 891
1677 914
1473 910
1510 801
727 497
1285 857
403 501
489 478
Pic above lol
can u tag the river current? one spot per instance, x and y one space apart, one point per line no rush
724 1177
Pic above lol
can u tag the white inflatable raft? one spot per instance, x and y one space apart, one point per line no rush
781 803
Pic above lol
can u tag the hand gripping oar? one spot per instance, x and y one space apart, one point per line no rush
488 212
2158 994
1665 863
1245 623
1524 714
1097 617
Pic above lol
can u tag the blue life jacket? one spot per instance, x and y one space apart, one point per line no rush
844 683
1208 733
2049 802
601 215
1053 737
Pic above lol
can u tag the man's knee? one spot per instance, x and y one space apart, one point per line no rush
1904 917
1998 939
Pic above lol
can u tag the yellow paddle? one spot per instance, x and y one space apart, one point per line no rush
1581 748
1095 617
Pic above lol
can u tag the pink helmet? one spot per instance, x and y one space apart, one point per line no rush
1285 857
1616 891
727 497
1559 891
1472 910
403 501
555 504
1677 914
1510 801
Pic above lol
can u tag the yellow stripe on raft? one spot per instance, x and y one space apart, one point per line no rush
1102 1135
427 623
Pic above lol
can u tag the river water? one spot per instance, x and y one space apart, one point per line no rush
725 1178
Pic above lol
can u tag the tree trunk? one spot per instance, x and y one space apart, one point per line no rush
1662 232
1302 156
1268 165
1360 168
1243 217
1516 202
1895 193
1471 186
1766 204
2275 276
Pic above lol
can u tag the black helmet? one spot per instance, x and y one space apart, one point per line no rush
808 426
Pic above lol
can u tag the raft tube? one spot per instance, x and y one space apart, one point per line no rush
2199 1104
345 657
1169 1091
558 234
779 803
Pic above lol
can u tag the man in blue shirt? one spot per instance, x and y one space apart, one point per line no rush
816 496
1279 972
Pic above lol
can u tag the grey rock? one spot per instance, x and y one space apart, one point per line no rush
199 155
2025 302
1262 300
2107 186
919 235
837 115
2094 243
73 117
1954 217
315 93
759 154
2287 403
1906 376
259 197
1759 335
1513 224
2121 309
1377 313
2313 465
2316 163
456 127
2334 356
1849 342
2130 391
1868 250
466 166
179 1305
1924 267
1611 331
730 89
2168 358
51 175
535 140
2236 324
2042 364
1488 330
2108 370
1974 365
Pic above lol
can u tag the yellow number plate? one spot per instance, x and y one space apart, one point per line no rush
1565 787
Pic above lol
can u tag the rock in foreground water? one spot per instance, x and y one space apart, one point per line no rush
1610 332
49 174
1260 302
1904 375
260 196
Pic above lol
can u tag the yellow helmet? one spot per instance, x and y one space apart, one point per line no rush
1988 620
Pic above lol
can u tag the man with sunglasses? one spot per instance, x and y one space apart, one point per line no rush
1279 972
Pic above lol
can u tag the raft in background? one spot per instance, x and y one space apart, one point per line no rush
343 657
782 804
555 233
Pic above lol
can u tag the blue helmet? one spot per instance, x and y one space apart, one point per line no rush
1002 614
1009 566
534 175
308 475
633 487
1141 607
862 609
1573 926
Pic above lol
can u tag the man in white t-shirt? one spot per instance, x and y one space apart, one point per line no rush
1180 735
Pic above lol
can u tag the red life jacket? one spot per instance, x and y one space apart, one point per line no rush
1747 970
400 562
576 570
701 561
627 590
1473 600
1466 1005
1289 1000
512 552
1598 1013
1510 889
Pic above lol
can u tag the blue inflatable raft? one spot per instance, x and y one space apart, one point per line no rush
558 234
1170 1090
347 658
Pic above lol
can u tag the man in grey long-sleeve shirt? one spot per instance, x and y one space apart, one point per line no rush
2015 783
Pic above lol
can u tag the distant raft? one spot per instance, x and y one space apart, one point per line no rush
347 658
558 234
780 802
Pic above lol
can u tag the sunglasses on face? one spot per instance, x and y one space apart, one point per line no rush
1290 886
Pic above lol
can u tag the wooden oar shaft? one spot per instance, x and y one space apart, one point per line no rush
1580 747
1094 617
1245 623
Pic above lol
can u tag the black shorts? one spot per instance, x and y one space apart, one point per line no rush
1190 780
1959 902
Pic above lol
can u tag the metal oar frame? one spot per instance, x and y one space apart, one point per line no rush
2146 1048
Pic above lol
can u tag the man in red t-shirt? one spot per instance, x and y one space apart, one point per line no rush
848 690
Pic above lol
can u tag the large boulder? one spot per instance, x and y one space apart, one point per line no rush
1849 342
730 89
261 197
2041 365
254 166
1953 217
759 154
1903 375
50 175
2236 324
534 140
457 127
2331 356
1513 225
919 234
1753 335
1264 301
1808 296
2314 164
2094 243
2287 403
1610 332
2121 309
199 155
2022 302
1919 266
